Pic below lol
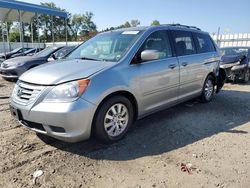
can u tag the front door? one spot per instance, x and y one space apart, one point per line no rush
159 79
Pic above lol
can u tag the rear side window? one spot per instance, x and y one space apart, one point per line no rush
184 43
204 43
158 41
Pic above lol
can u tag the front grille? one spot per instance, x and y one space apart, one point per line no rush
26 93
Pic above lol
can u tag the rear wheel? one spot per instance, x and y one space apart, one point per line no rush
113 119
208 90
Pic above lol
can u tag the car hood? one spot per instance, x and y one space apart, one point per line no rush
228 59
63 71
16 60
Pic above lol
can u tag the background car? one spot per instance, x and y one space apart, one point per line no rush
236 51
10 54
236 62
11 69
29 52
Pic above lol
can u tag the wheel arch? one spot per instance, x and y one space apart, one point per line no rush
214 77
124 93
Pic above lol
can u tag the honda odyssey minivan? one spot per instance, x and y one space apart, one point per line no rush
115 78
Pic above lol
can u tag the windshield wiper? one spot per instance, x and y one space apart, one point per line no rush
87 58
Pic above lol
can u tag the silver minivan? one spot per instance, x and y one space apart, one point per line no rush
115 78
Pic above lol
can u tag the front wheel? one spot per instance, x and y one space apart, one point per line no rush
113 119
208 90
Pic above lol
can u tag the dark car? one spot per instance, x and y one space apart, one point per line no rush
29 52
13 68
10 54
236 62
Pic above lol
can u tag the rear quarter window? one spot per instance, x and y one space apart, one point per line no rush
204 43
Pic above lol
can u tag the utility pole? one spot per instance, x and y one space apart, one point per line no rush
218 34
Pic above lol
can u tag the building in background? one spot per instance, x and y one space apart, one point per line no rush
231 40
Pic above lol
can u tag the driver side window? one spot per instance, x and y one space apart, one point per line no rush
158 41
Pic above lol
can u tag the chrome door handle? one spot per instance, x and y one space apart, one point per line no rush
184 64
172 66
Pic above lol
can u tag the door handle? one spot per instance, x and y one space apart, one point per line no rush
184 64
172 66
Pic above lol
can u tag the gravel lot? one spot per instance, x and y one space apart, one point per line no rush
213 137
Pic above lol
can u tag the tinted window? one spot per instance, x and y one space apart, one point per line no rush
184 43
158 41
204 43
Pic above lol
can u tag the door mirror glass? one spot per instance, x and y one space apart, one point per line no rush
149 55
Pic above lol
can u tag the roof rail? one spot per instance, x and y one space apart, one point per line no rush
180 25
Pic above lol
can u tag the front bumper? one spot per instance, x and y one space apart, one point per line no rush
235 72
12 72
70 122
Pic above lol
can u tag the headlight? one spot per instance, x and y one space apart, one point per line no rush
67 92
13 64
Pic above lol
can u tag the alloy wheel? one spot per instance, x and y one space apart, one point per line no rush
116 119
209 89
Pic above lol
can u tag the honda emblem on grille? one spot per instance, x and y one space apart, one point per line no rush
19 92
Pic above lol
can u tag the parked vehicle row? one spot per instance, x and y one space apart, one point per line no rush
12 68
115 78
236 62
19 52
29 52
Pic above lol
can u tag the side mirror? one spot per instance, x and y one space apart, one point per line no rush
149 55
53 56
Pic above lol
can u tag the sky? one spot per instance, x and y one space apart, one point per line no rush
232 16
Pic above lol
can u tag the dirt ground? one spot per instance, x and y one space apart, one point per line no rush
214 138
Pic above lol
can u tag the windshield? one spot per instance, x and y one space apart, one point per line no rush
16 50
111 46
234 51
46 52
30 50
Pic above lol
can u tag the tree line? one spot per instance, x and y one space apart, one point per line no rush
80 27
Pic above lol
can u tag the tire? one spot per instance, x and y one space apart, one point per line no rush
110 127
208 91
246 76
